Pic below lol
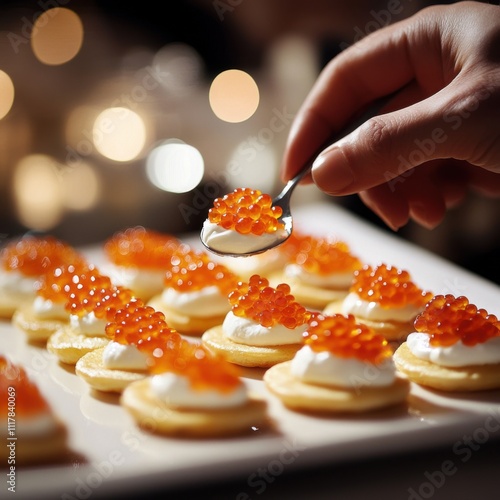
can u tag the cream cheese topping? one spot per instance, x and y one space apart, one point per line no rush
207 302
88 324
327 369
340 280
17 284
46 308
373 311
230 241
149 281
175 390
456 355
249 332
118 356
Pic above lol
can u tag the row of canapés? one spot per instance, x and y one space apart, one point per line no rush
168 328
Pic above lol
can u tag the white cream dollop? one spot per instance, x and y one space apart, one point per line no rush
118 356
206 302
17 285
340 280
355 305
249 332
148 281
176 390
456 355
327 369
230 241
88 324
46 308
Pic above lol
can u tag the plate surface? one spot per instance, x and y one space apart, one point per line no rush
111 455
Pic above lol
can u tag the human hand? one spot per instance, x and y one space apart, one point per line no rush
440 134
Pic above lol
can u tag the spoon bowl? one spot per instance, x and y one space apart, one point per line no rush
282 200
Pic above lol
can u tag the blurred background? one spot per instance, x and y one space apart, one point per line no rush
114 114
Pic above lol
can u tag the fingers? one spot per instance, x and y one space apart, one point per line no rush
376 66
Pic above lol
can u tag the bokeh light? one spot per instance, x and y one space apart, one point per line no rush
181 68
57 36
119 134
257 170
175 167
37 192
234 96
6 94
81 187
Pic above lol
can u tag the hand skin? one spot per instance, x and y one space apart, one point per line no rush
440 134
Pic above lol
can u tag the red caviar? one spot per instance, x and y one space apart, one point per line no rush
140 247
192 270
247 211
167 351
344 337
34 256
54 284
204 369
28 399
141 325
268 306
389 286
322 255
448 320
89 291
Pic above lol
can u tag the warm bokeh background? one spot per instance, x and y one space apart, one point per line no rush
114 114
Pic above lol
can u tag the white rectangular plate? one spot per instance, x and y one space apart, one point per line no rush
111 455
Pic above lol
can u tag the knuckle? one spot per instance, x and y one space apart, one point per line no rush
377 135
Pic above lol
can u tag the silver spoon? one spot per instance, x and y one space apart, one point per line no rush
283 199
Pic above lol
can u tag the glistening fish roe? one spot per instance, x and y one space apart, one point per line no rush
388 286
268 306
448 320
247 211
345 338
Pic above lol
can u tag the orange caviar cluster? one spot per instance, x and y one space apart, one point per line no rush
323 255
448 319
141 325
33 256
247 211
89 291
192 270
388 286
28 399
167 351
140 247
268 306
204 369
343 337
54 284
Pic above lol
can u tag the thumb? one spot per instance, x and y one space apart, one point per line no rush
391 144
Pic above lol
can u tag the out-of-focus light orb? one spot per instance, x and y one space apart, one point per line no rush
37 192
179 67
57 36
6 93
234 96
81 187
175 167
257 170
119 134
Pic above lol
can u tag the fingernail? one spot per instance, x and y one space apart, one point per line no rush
331 171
